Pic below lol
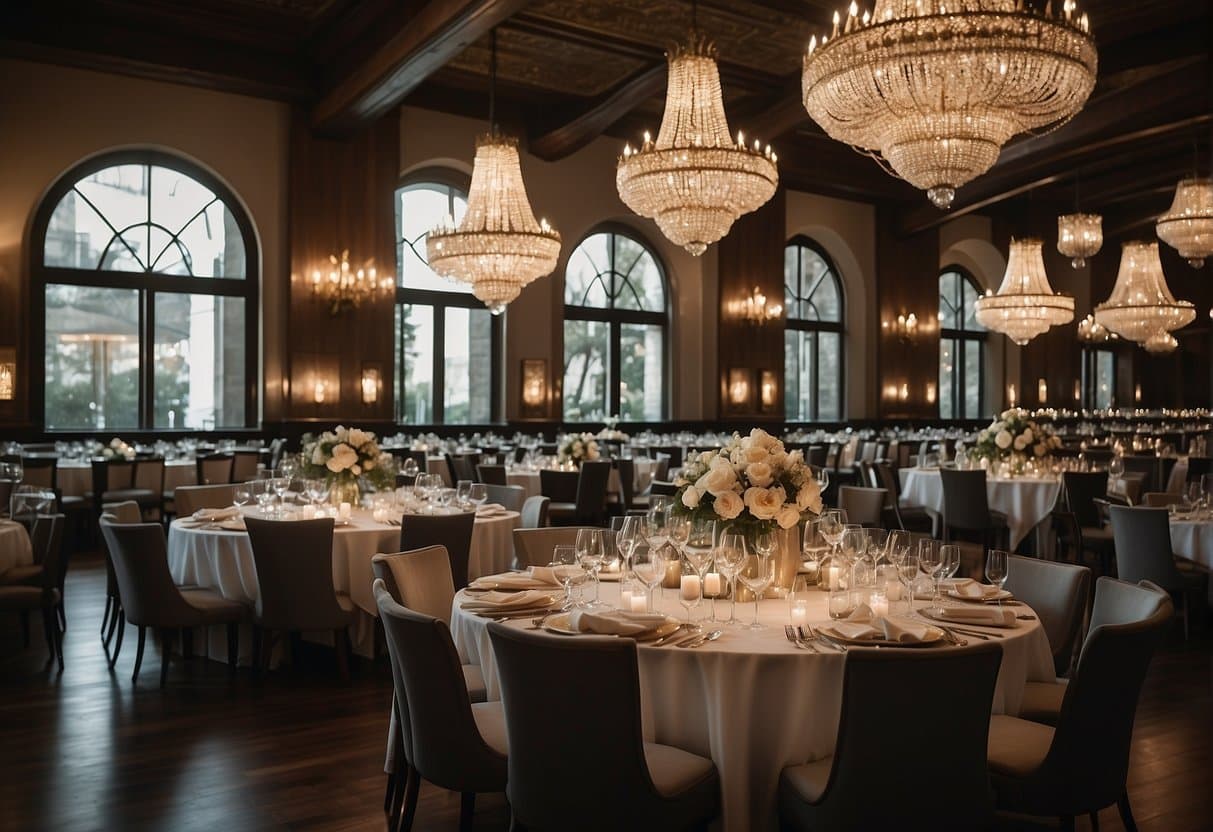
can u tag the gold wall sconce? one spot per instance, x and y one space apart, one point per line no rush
738 389
534 388
372 384
754 308
345 287
768 392
1042 391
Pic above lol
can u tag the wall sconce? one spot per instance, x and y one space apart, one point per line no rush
754 308
1042 391
372 383
1137 393
768 392
905 327
319 391
345 287
8 381
1010 395
931 392
738 389
1077 390
904 393
534 388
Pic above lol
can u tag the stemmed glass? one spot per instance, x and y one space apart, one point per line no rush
757 572
410 469
281 484
897 546
690 594
242 494
477 495
855 551
463 493
590 555
833 524
907 571
678 531
648 564
655 522
822 476
567 571
930 560
730 555
630 535
699 545
949 554
997 566
877 542
264 493
813 547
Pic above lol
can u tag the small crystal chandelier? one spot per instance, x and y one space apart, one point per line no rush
1079 236
1025 305
500 247
1160 343
1188 226
345 287
1141 306
1091 331
695 181
934 89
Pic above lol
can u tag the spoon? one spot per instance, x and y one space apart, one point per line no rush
712 636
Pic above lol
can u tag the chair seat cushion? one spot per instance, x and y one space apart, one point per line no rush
1042 701
71 502
675 771
212 606
473 677
562 508
142 496
21 598
1097 537
490 722
27 574
806 783
1017 747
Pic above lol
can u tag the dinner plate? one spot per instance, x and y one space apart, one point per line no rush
611 577
934 636
1001 595
925 612
559 623
484 584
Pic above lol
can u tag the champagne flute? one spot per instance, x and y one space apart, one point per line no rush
929 563
730 555
589 555
997 566
648 564
756 574
629 536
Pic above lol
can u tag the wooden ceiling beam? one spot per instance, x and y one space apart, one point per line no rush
440 30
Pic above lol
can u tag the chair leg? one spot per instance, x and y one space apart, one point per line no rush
116 613
515 826
187 643
233 645
389 796
412 785
267 649
341 644
118 645
61 614
1126 812
105 616
25 628
49 626
139 653
467 811
1094 816
166 650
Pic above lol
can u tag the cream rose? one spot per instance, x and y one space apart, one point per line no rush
809 497
1020 443
720 478
1028 436
690 497
753 454
759 474
1003 439
764 503
787 517
1040 449
728 505
343 457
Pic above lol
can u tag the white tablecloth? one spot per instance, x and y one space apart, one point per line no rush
752 701
642 475
1026 501
15 548
76 478
1194 540
223 561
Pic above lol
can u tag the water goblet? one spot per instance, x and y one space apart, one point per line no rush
997 567
812 550
649 565
463 493
929 563
478 495
590 556
690 594
567 571
242 494
730 555
757 572
630 535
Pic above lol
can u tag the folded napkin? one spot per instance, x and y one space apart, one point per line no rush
544 574
213 515
509 600
490 509
233 524
538 578
862 621
969 588
615 623
968 614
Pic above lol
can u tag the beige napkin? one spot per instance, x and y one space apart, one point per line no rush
615 623
545 575
507 600
862 622
539 578
214 515
968 614
970 589
490 510
233 524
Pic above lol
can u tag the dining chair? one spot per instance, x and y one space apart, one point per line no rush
149 476
510 497
626 470
45 578
966 507
151 599
535 512
1161 499
864 506
559 486
294 562
674 452
26 599
589 507
451 742
661 488
534 547
1082 491
839 792
1144 553
114 482
189 498
452 531
1080 765
604 763
245 465
491 474
907 516
460 467
1147 465
113 620
1198 466
214 469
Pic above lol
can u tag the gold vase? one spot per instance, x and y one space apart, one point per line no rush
345 490
787 564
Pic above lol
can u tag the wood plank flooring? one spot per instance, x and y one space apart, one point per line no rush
299 750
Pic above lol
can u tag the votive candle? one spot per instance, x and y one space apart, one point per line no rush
892 590
638 602
879 602
799 613
711 584
691 588
834 578
343 511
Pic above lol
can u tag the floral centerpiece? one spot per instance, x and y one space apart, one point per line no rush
1014 438
346 458
578 448
116 449
612 432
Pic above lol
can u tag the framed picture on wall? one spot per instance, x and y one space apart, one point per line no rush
534 404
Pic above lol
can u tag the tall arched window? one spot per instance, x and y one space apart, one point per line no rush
616 317
962 347
448 346
144 279
813 345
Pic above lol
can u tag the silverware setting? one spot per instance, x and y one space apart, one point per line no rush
678 634
821 637
701 639
795 638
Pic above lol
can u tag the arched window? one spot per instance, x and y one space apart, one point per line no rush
962 347
616 317
144 279
813 339
448 346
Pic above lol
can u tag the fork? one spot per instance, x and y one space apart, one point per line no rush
841 648
795 639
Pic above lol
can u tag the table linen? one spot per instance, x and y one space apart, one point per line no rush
1026 501
15 547
1193 539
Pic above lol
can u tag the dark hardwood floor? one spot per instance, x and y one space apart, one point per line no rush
87 750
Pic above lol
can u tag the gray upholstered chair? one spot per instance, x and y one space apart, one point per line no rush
966 507
512 497
1080 766
114 482
295 591
535 512
863 505
189 498
533 547
1161 499
112 620
453 531
604 763
839 792
451 742
491 474
26 599
151 599
1143 553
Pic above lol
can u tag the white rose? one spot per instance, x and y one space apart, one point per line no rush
1040 449
690 497
809 497
753 454
356 469
318 456
764 503
728 505
719 479
759 474
707 456
1003 439
787 517
795 458
1028 436
368 465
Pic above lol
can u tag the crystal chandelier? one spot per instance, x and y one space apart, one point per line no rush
1160 343
1092 332
695 180
1079 236
1188 226
936 88
1026 304
500 247
1141 305
345 287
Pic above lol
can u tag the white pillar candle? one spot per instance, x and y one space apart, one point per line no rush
799 614
892 590
711 584
343 511
690 587
879 602
639 603
834 577
625 599
309 512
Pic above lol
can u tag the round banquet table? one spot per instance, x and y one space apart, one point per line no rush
15 548
1193 539
751 700
76 478
528 478
1026 501
223 561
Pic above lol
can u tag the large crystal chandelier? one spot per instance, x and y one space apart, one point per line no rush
1141 306
1188 226
936 88
695 180
1026 304
500 247
1079 236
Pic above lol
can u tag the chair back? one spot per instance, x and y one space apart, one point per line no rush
594 675
41 470
816 456
674 452
461 468
420 580
533 547
1161 499
1198 466
535 512
46 539
511 497
965 505
150 598
491 474
294 562
1058 593
189 498
277 447
453 531
627 481
149 474
559 486
244 465
6 495
1142 537
863 505
661 468
111 475
591 491
661 488
1082 489
1147 466
127 511
446 746
960 683
520 452
213 469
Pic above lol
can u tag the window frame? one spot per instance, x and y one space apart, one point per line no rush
962 338
815 327
453 180
148 284
615 318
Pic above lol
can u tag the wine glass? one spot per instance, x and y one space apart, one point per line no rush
730 555
949 564
242 494
690 594
589 555
649 565
907 571
877 542
409 468
897 546
822 476
477 495
832 524
463 493
566 570
630 535
281 485
757 572
997 565
264 492
930 560
1116 467
813 548
656 525
764 541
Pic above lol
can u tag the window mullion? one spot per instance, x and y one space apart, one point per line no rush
439 371
147 358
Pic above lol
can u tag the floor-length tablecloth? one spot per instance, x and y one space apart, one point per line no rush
76 478
1193 539
1026 501
753 702
15 548
528 479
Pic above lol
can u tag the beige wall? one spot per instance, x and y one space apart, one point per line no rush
55 117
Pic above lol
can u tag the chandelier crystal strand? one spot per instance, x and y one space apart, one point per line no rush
1188 226
1079 236
1160 343
1025 305
937 88
1091 332
695 180
1141 306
